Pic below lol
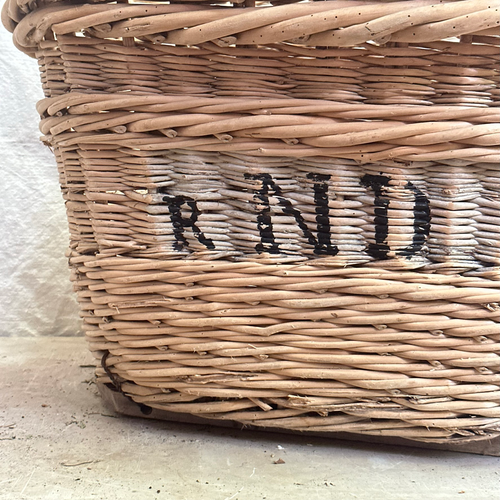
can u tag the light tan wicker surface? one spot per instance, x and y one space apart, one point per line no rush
284 215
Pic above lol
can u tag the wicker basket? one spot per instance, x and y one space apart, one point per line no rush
283 215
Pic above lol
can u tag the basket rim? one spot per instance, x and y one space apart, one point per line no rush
339 23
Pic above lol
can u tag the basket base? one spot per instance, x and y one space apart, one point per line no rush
119 403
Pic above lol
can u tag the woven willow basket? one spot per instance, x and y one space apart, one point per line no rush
283 215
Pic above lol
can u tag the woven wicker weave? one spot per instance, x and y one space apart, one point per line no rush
286 216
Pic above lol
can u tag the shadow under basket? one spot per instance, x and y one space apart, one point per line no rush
283 216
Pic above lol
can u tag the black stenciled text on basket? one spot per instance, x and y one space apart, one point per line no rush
321 242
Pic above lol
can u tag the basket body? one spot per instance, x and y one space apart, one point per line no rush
279 219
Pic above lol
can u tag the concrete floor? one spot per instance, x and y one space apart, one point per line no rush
58 441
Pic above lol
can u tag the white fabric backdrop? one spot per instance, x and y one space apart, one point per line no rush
36 297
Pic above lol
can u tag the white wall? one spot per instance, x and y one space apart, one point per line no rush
36 297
